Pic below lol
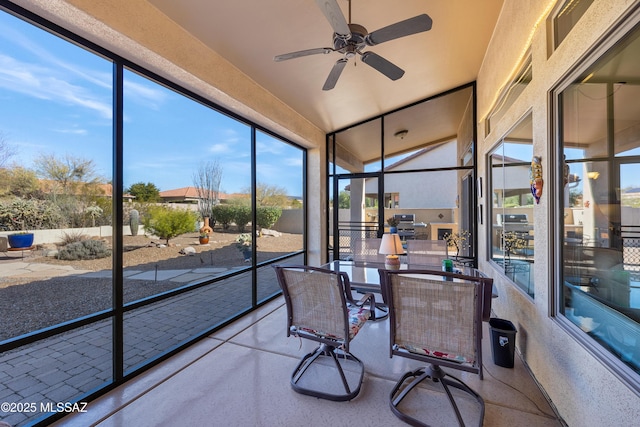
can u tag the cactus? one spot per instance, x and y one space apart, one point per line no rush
134 221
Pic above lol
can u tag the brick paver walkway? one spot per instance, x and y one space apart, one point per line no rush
61 368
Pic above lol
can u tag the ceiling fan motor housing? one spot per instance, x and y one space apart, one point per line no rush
354 43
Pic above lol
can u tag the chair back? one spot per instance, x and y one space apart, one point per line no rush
434 319
426 252
316 302
366 250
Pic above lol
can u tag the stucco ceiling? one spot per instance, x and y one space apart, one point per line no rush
250 34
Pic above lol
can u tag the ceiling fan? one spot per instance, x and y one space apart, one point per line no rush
350 39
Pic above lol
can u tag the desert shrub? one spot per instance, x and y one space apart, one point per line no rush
86 249
72 237
267 216
30 214
241 216
168 223
223 215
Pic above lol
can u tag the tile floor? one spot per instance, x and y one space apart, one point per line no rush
239 376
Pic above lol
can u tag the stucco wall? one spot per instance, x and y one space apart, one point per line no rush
583 389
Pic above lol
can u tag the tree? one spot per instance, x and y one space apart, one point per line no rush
6 150
344 200
144 192
207 182
168 223
71 175
270 195
19 181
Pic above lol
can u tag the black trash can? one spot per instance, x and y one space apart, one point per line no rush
503 342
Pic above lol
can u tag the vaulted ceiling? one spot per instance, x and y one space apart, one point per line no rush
250 34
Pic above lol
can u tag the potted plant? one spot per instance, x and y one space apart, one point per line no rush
458 241
21 212
244 244
204 237
510 241
20 240
393 224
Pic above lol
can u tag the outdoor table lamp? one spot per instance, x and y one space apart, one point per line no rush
391 246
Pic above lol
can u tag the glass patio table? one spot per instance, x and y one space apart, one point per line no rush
364 277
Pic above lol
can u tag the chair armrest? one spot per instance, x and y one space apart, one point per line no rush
371 302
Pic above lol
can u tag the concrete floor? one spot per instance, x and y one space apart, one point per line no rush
239 376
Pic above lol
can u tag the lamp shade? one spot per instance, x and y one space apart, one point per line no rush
391 245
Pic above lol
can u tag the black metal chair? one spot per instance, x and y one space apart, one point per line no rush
320 308
436 317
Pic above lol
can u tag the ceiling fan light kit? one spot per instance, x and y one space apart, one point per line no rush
350 40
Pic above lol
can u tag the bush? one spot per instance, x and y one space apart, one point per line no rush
223 215
267 216
30 214
86 249
73 237
241 216
167 223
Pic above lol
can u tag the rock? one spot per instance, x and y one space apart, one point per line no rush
51 253
274 233
188 251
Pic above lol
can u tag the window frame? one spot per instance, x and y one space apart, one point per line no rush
498 148
619 30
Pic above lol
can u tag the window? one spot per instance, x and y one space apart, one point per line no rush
116 205
510 93
568 13
512 204
599 232
416 162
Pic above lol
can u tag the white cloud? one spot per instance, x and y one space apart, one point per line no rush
41 82
75 131
293 161
146 95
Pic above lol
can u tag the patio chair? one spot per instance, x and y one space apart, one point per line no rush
366 250
426 252
320 308
435 317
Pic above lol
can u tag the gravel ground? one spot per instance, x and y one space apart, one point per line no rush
27 305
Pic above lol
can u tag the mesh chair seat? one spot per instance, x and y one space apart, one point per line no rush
453 357
436 317
357 316
320 308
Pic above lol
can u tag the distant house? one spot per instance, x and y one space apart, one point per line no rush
401 191
190 195
180 195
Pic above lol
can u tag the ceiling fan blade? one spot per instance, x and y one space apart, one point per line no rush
300 53
335 17
417 24
387 68
332 79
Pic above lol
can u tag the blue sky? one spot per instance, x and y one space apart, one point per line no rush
57 98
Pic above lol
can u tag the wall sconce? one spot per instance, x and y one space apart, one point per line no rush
401 133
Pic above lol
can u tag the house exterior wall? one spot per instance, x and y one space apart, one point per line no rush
584 390
438 194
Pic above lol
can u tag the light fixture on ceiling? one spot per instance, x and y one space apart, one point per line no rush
401 133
